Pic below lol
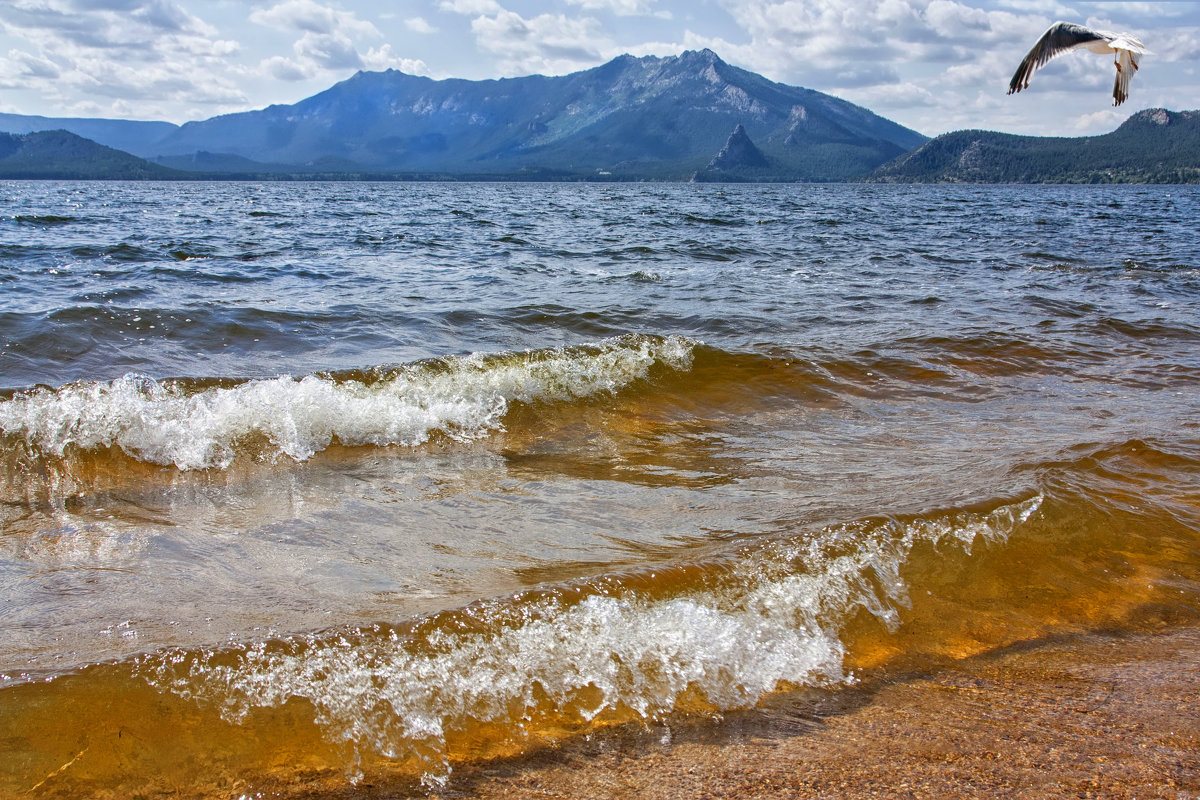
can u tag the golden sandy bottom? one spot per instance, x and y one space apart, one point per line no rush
1090 716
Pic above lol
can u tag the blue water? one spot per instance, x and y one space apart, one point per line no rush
232 279
386 465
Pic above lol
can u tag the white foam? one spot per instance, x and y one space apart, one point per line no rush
776 617
463 398
600 654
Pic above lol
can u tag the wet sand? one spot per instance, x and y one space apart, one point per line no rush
1106 716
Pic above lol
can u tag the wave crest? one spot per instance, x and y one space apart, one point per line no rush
189 426
561 657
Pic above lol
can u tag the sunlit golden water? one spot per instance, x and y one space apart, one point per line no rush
450 499
765 567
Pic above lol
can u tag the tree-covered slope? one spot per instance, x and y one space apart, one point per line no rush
63 155
1152 146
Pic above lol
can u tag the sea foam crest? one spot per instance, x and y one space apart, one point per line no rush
461 397
601 654
775 617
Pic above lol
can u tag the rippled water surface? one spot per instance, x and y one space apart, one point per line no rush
325 482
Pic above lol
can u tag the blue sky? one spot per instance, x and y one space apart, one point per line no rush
933 65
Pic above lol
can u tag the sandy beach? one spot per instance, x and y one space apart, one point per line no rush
1105 716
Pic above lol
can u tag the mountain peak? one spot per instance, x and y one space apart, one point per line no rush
696 61
1156 122
1152 116
704 57
738 153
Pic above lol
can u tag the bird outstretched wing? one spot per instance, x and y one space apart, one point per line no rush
1058 38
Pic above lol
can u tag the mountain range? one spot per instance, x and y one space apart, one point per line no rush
645 117
690 116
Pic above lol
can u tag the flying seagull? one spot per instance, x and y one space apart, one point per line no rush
1063 36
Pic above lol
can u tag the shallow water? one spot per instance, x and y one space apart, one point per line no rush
372 479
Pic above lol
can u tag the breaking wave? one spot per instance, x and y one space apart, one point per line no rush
717 634
190 425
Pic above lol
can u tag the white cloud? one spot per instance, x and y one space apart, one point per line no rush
285 69
103 24
314 53
137 55
897 95
329 44
1171 8
29 66
469 8
990 68
419 25
383 58
1047 8
546 43
1176 44
1099 121
622 8
312 17
331 51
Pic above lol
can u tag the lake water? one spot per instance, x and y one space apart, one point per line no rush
315 483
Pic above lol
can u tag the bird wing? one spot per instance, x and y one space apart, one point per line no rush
1058 38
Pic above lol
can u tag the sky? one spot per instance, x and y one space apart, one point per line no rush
932 65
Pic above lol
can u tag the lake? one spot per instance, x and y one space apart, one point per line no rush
310 484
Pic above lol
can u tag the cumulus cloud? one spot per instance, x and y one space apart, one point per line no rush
470 8
1099 120
285 69
115 23
140 54
312 17
330 42
332 51
903 94
622 8
545 43
1170 8
312 54
383 58
1177 44
419 25
29 66
1048 8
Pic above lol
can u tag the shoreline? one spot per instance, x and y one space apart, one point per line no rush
1089 715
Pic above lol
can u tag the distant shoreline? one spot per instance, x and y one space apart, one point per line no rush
384 178
1152 147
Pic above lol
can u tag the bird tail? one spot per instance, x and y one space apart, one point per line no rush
1126 66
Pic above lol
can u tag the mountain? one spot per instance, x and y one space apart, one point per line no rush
63 155
739 160
1152 146
738 153
131 136
632 117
